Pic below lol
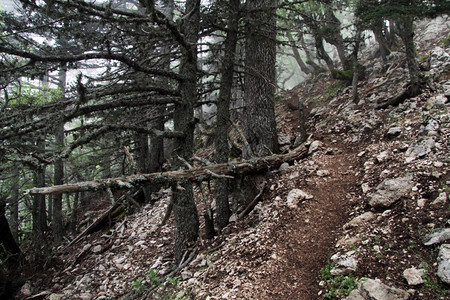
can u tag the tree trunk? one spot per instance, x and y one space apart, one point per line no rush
184 208
356 66
234 168
377 29
14 204
74 215
222 152
332 35
407 35
305 69
13 253
321 53
260 84
59 169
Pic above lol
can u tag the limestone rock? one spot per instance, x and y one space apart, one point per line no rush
444 263
414 276
393 131
440 200
374 289
284 166
437 237
295 196
97 249
345 263
390 191
419 150
284 139
56 296
365 217
314 147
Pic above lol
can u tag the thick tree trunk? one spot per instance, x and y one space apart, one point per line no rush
260 83
59 169
184 208
321 53
222 153
407 36
14 205
377 29
332 35
11 254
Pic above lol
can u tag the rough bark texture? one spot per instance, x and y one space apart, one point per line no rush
14 205
332 35
222 153
407 36
59 170
38 206
260 84
238 168
184 208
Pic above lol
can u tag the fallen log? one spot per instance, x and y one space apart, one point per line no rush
194 174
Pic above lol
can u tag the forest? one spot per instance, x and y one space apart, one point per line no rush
103 104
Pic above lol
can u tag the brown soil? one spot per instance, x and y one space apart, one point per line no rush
304 238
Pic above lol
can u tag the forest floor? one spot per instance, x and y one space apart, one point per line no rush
309 211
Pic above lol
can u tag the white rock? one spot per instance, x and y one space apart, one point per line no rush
444 263
374 289
357 221
440 200
344 264
97 249
421 202
437 237
284 166
390 191
56 296
314 146
365 188
413 276
295 196
323 173
383 156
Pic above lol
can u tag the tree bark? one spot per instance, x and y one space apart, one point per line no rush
260 83
184 208
58 178
407 35
235 168
14 205
222 151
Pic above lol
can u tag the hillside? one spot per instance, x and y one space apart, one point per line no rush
357 213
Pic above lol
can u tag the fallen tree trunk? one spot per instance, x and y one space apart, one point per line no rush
194 174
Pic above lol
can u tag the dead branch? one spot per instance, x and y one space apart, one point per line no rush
195 174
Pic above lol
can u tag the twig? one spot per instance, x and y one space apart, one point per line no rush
252 205
217 175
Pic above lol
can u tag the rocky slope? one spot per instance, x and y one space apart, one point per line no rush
366 211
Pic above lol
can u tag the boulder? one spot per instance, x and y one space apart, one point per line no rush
390 191
444 263
437 237
374 289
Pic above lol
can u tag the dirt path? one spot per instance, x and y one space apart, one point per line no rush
303 241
